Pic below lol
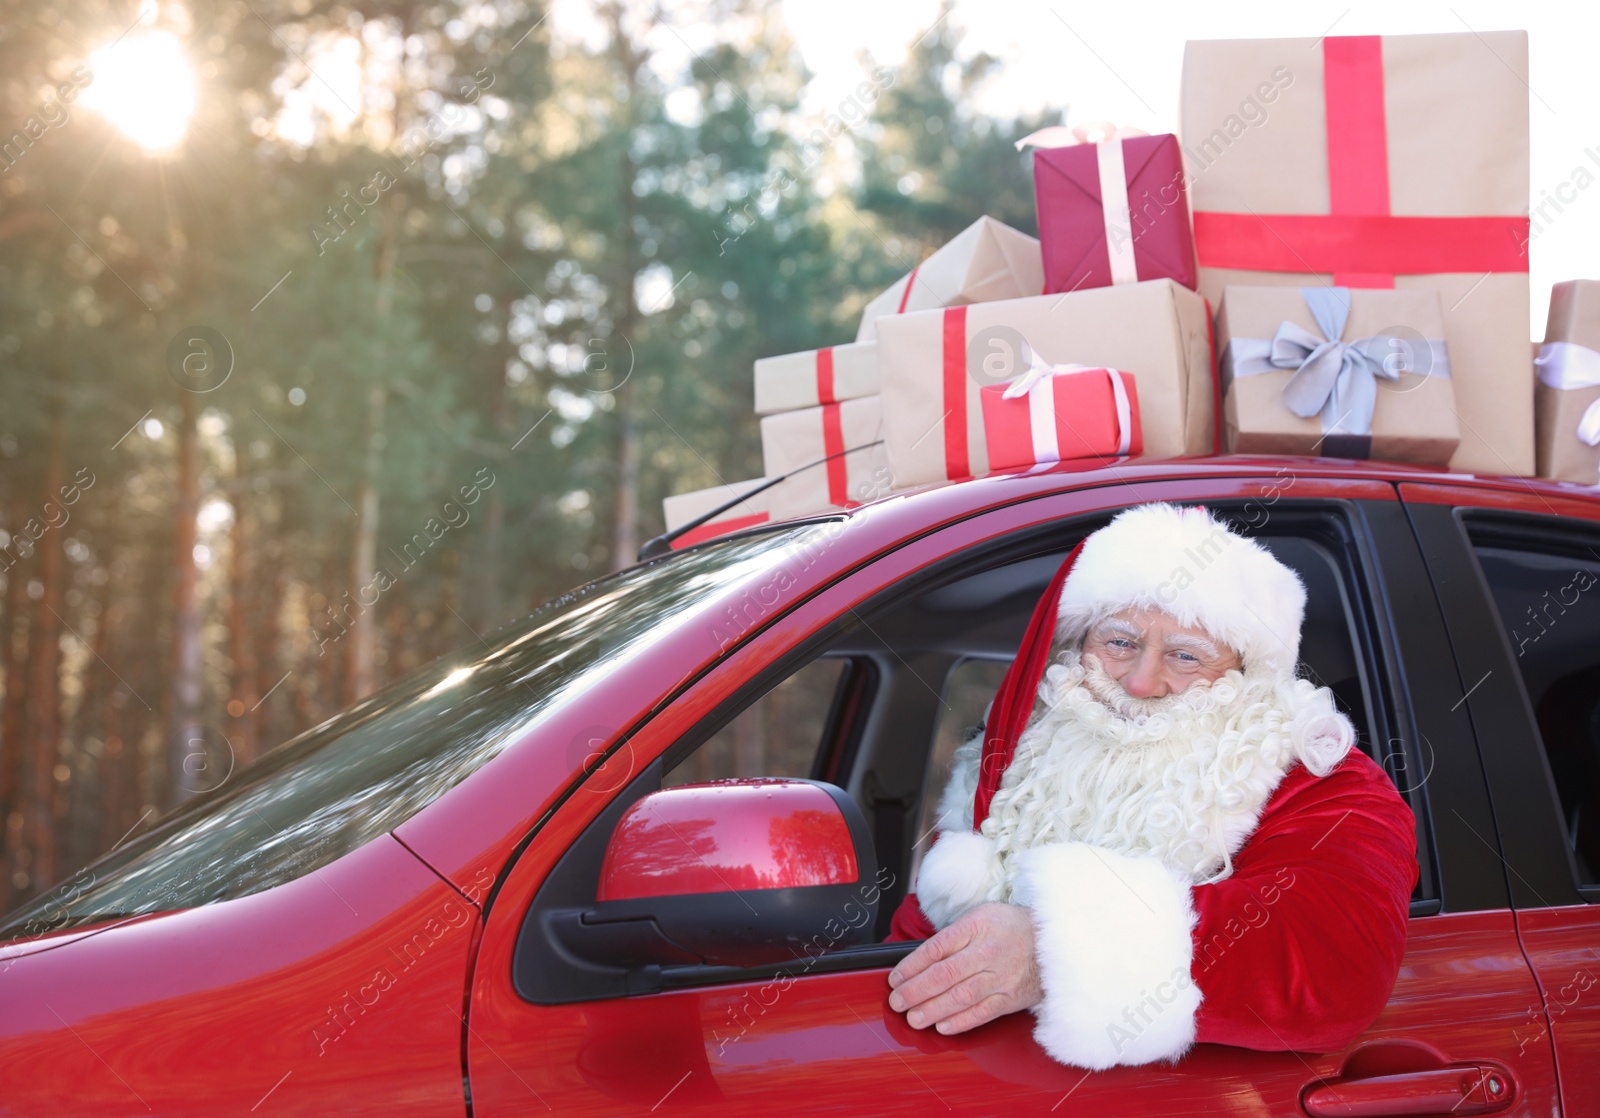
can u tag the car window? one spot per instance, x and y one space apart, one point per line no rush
777 735
366 770
969 688
1549 606
939 648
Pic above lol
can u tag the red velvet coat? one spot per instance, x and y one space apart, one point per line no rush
1298 949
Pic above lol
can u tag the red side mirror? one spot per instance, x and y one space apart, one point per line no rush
727 836
736 872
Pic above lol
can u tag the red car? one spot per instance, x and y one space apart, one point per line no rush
512 883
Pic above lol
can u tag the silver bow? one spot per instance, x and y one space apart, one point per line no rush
1335 379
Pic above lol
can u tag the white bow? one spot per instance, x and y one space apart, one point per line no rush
1568 365
1036 385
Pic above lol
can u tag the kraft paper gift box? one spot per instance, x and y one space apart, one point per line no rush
816 376
1052 414
1113 212
836 449
1396 161
987 260
1382 391
684 507
1567 396
934 365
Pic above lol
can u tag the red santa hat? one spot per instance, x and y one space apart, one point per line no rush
1178 560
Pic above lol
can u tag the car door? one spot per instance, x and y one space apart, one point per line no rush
1520 576
818 1037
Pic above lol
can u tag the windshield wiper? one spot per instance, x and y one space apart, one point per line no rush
662 544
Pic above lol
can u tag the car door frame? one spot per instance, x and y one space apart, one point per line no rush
1557 919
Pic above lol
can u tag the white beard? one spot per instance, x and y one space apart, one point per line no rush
1183 778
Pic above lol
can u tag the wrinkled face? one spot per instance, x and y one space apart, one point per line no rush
1152 656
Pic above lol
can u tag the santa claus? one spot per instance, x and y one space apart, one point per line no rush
1163 836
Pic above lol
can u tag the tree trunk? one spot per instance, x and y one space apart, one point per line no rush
625 535
363 636
630 57
45 693
491 594
494 528
120 803
241 636
268 730
184 723
361 640
92 809
13 716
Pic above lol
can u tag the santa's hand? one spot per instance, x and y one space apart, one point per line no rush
979 968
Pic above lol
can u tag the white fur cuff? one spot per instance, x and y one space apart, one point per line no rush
960 871
1114 949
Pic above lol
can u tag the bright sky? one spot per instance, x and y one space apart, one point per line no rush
1121 62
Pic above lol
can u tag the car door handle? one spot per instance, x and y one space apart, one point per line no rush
1459 1090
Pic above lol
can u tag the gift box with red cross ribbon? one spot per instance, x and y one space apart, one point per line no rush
814 377
834 453
1398 161
681 508
935 366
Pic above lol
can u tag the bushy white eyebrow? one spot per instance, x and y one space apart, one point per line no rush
1201 647
1119 625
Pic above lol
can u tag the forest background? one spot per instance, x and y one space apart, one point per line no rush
421 287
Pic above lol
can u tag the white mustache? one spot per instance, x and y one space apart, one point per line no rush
1112 695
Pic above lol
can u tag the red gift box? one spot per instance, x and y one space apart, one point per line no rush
1061 412
1113 212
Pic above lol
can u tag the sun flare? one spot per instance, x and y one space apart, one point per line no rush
145 86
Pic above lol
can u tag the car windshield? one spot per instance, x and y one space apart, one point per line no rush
371 767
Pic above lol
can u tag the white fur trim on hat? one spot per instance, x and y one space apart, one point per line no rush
1113 940
1181 561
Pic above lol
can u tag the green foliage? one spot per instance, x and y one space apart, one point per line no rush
933 163
537 251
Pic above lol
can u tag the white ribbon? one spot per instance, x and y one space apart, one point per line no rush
1038 385
1090 132
1115 213
1568 365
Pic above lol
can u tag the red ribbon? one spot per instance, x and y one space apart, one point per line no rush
713 529
955 393
825 376
1333 243
905 296
833 449
1359 241
1358 136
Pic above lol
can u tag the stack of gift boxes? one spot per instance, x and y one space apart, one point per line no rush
1331 259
